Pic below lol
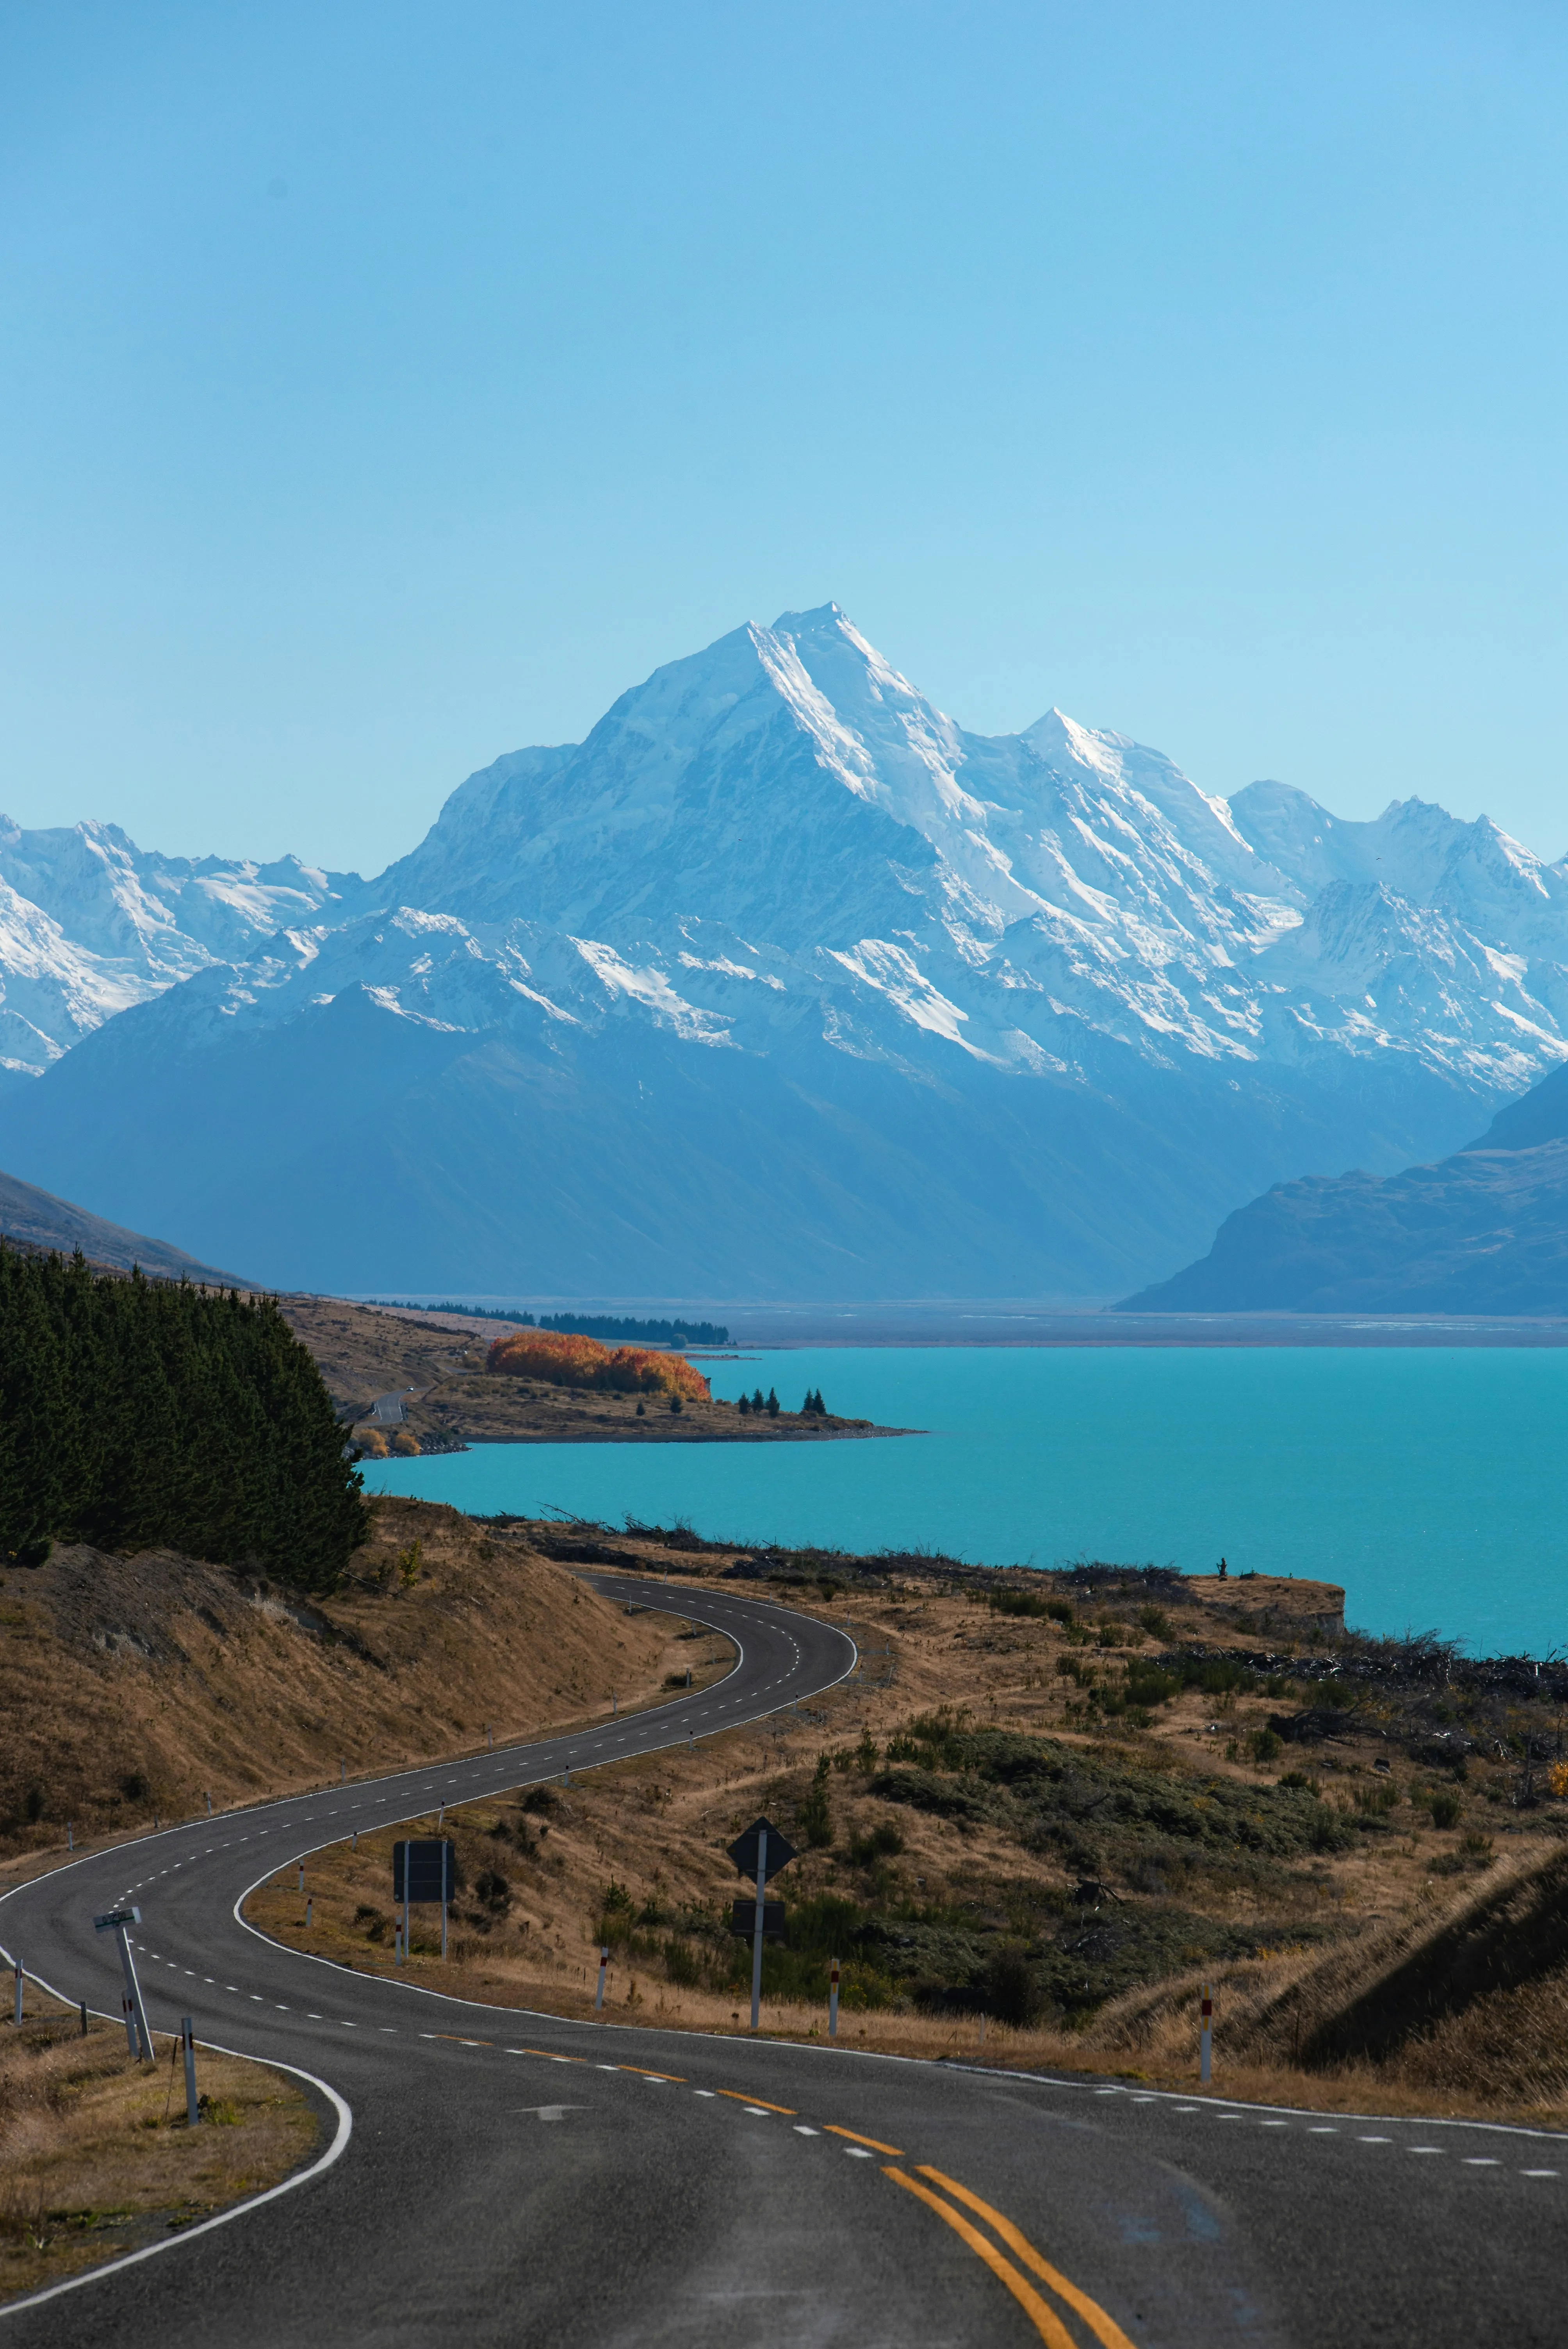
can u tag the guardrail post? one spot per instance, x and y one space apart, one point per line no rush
192 2107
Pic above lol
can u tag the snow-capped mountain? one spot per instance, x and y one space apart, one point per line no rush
781 980
89 923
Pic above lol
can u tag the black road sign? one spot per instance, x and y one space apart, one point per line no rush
743 1850
117 1917
431 1864
743 1917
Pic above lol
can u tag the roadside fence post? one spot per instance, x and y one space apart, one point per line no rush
18 2014
84 2018
208 1805
308 1906
1206 2035
603 1962
833 2002
354 1840
757 1929
192 2110
302 1875
70 1837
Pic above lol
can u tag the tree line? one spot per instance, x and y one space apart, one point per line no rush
138 1413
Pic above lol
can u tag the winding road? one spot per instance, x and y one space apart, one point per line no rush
493 2177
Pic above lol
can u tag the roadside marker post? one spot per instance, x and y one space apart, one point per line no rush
833 2002
118 1921
70 1837
19 1980
1206 2035
604 1965
309 1905
342 1774
209 1807
84 2018
192 2108
302 1875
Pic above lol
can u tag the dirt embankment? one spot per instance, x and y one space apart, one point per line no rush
449 1399
132 1688
1014 1854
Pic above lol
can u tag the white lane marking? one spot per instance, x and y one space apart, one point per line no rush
1424 2148
1480 2161
1538 2173
256 1999
1321 2131
311 2017
801 2130
1374 2140
756 2112
1273 2124
701 2092
859 2153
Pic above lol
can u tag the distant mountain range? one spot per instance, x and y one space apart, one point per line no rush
1485 1231
37 1220
778 985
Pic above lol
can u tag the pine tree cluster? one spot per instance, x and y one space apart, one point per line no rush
137 1413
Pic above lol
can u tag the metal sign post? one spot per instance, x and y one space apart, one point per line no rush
754 1852
118 1921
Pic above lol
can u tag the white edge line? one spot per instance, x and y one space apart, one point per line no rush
205 2227
482 2007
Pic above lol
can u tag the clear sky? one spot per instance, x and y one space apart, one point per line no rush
385 386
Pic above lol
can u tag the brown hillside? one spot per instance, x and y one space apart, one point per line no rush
131 1688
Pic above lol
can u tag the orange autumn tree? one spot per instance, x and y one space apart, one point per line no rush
563 1359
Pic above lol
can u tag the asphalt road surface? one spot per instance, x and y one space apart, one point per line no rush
494 2177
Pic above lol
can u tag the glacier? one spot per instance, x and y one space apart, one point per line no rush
780 983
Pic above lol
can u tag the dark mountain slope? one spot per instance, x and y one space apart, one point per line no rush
39 1220
1484 1232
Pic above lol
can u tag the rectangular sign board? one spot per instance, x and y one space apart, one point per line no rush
430 1864
743 1919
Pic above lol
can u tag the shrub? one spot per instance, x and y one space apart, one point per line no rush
883 1842
1266 1743
558 1358
406 1443
816 1812
1022 1603
1156 1623
1446 1810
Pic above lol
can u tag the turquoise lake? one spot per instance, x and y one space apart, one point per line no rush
1428 1481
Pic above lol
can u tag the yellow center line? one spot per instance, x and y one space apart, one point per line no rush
761 2102
875 2144
643 2072
456 2040
1104 2327
551 2056
1049 2325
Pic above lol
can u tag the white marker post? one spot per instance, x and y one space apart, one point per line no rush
603 1968
1206 2035
756 1933
833 2002
302 1875
70 1837
192 2107
208 1805
19 1980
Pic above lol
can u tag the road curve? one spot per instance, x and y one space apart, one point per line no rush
514 2179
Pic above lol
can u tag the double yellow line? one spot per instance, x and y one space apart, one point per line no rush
1041 2314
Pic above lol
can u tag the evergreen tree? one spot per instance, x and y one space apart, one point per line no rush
137 1413
772 1402
746 1406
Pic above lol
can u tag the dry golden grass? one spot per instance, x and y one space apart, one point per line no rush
659 1827
131 1688
95 2158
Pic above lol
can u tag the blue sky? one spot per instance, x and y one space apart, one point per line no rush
384 386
